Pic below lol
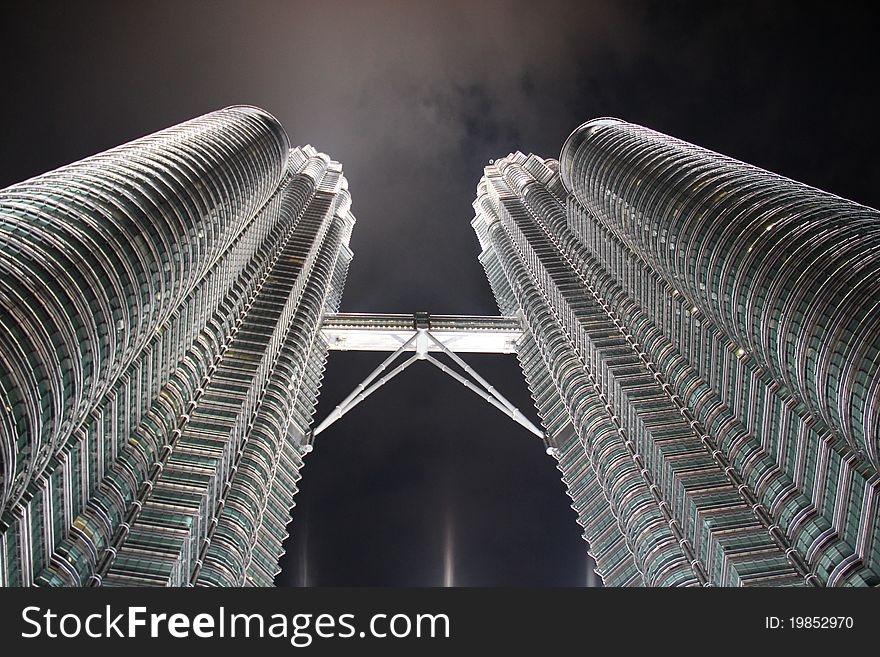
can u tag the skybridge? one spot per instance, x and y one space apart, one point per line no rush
435 339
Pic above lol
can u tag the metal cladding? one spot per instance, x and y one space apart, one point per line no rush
701 342
160 355
788 272
98 254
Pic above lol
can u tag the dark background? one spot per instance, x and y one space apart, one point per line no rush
414 98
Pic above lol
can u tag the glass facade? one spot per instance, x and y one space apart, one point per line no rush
701 343
160 354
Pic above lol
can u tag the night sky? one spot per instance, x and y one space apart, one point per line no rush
414 99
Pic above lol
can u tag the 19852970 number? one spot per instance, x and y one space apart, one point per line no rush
809 622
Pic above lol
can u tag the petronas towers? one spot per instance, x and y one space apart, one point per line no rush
701 339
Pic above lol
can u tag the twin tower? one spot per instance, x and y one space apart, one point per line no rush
701 339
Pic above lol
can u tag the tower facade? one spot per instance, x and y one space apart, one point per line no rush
702 342
160 353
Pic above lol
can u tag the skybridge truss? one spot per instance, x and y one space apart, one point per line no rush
423 337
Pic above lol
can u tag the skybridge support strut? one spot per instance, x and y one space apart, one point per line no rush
493 399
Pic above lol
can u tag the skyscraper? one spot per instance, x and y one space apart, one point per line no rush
702 341
159 353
